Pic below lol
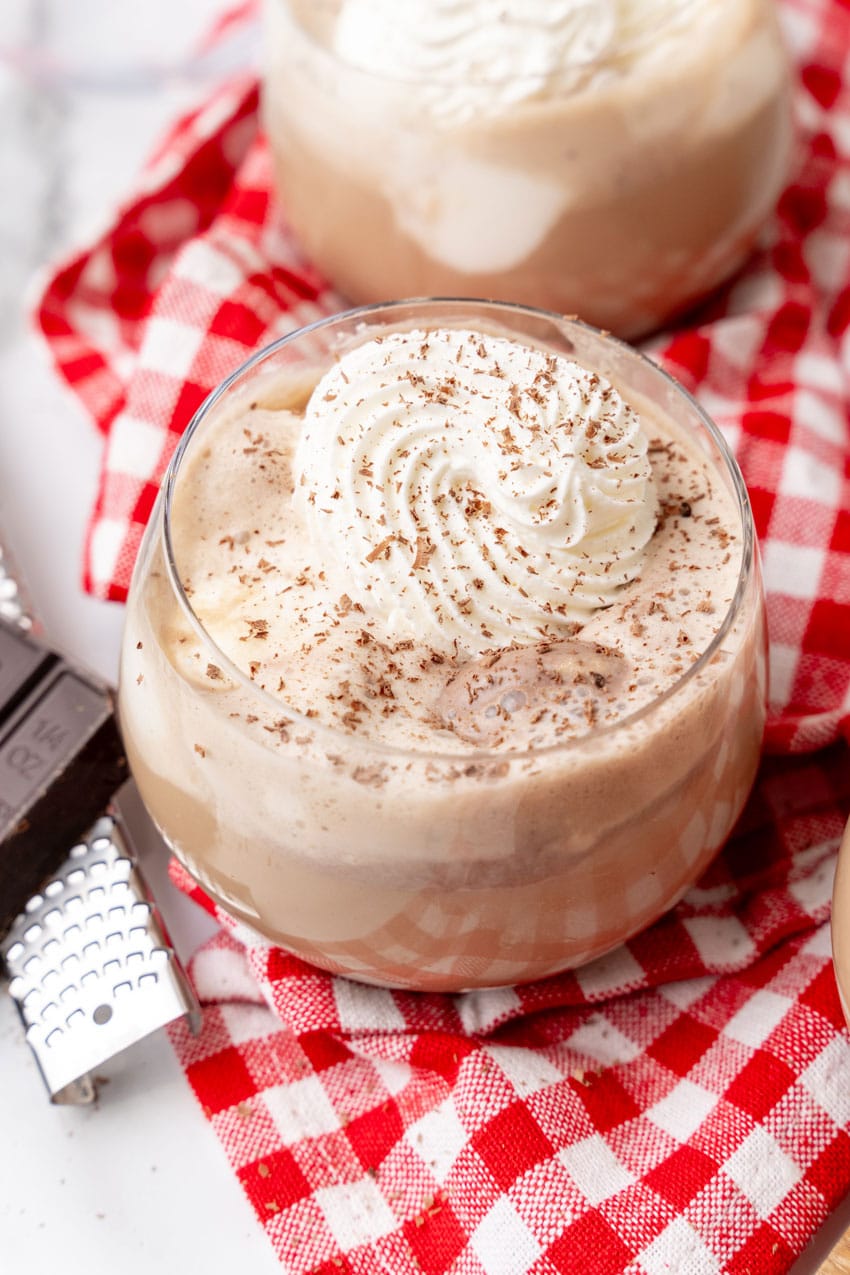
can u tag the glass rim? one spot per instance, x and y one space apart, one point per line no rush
606 57
488 756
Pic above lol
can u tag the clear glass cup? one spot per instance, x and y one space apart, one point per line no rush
442 869
840 923
621 191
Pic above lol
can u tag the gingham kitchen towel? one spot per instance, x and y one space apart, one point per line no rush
684 1104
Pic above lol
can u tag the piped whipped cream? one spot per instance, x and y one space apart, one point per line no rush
468 56
469 490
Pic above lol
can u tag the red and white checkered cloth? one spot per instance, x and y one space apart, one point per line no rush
682 1105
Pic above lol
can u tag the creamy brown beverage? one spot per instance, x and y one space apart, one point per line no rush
444 661
609 158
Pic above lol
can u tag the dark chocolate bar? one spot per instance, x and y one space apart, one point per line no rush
61 760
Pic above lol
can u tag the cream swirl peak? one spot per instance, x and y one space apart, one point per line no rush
473 55
467 489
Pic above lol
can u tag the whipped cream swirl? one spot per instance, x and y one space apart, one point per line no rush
465 488
467 56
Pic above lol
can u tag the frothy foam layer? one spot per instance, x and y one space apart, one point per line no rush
467 56
468 490
309 534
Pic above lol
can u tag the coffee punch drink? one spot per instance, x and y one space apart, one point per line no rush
444 659
614 159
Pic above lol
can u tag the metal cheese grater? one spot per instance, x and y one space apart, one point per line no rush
91 969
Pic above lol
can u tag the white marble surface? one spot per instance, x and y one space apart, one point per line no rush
140 1180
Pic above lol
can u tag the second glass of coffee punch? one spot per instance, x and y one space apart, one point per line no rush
614 159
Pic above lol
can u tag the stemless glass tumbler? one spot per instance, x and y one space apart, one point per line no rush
615 168
434 869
